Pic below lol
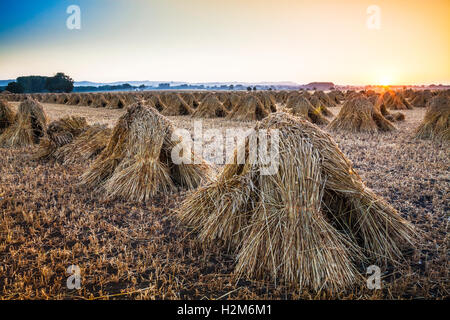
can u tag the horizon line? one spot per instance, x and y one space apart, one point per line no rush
250 82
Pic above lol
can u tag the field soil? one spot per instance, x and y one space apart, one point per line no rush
131 250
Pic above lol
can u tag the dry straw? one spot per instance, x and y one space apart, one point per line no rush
63 98
6 116
395 117
87 99
137 162
86 146
395 101
231 101
189 99
268 100
53 98
379 104
281 96
155 101
358 114
307 225
131 97
116 102
319 105
100 101
420 99
300 106
325 99
249 108
28 126
336 96
175 105
210 107
436 123
60 133
74 99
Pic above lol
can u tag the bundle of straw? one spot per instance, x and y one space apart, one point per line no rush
319 105
358 114
248 108
99 101
436 123
231 101
60 133
85 147
137 162
175 105
210 107
116 102
308 223
28 126
420 99
155 101
300 106
6 115
325 99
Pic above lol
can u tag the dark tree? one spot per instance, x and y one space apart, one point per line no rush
14 87
59 83
32 84
254 88
249 88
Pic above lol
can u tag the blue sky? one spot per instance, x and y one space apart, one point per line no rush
228 40
29 22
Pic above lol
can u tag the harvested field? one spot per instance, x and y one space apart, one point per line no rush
139 250
92 115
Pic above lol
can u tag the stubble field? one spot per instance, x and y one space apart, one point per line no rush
132 250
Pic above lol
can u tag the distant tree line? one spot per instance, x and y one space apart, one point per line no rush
35 84
125 86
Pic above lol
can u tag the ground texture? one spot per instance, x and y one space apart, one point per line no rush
131 250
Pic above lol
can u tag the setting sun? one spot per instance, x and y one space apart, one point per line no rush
385 82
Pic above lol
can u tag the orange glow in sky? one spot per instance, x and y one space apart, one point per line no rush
245 40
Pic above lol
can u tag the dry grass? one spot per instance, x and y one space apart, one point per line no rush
175 105
137 162
28 127
358 114
306 223
60 133
116 102
325 99
420 99
58 111
136 250
300 106
6 115
395 101
250 108
85 147
319 105
436 124
210 107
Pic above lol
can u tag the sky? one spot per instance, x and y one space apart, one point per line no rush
229 40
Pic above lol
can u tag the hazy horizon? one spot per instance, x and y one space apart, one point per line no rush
232 41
